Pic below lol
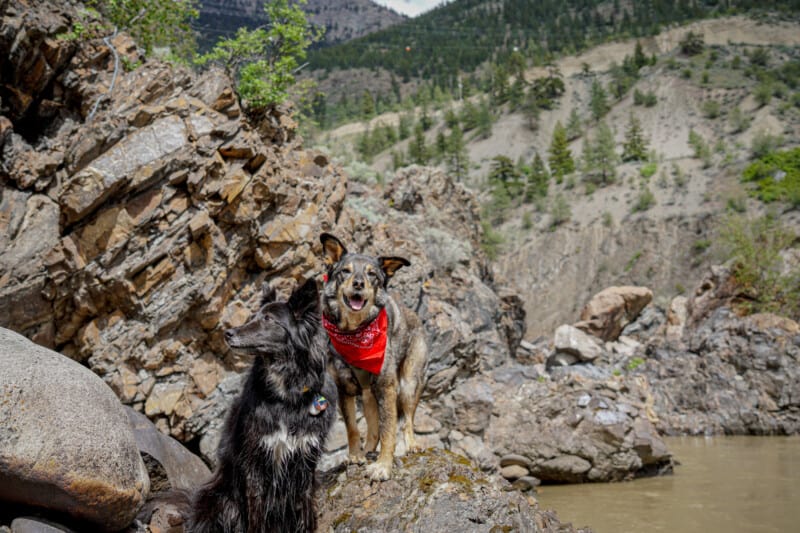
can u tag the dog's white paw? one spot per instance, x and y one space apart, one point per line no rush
357 458
379 471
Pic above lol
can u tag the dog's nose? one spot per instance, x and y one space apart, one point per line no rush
228 335
358 283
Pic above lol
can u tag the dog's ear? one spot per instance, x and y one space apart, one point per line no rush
305 299
268 294
390 265
332 248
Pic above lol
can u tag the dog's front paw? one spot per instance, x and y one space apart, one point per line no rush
379 471
357 458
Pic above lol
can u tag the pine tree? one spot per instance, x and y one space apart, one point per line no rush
484 120
639 59
598 101
635 146
560 158
537 179
574 129
457 156
441 144
599 156
530 108
418 149
367 105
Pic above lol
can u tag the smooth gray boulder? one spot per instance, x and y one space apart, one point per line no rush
65 440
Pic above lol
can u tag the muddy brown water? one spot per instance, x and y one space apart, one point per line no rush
723 484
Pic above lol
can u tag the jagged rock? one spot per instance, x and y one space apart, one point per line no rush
571 340
65 443
579 428
612 309
431 491
733 375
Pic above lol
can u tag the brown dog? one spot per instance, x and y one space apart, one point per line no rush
378 349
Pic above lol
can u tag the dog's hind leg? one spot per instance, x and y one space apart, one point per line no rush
348 403
373 424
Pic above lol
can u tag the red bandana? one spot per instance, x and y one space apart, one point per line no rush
363 348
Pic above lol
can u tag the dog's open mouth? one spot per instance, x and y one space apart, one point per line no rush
355 302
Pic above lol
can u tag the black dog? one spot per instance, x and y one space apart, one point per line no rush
275 430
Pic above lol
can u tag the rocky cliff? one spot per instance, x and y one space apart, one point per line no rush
134 235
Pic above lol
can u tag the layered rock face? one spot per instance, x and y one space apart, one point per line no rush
156 219
156 225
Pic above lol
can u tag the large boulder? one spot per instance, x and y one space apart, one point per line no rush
431 491
65 442
583 425
611 309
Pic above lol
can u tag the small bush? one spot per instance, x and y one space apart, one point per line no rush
634 363
647 99
764 143
776 176
649 170
560 211
763 93
711 109
644 201
491 240
754 247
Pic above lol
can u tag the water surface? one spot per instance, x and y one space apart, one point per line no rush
723 484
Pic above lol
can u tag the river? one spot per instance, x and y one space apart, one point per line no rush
723 484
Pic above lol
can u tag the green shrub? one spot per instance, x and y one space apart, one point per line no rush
776 176
264 60
560 211
763 93
634 363
154 23
644 201
647 99
764 143
491 240
754 246
649 170
711 109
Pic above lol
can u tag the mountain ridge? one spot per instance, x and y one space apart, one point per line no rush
342 19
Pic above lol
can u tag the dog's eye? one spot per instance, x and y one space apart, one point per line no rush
346 271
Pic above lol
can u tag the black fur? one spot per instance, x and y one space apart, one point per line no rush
271 443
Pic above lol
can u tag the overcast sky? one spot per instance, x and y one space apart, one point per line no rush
410 7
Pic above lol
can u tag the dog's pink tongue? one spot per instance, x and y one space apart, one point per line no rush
356 303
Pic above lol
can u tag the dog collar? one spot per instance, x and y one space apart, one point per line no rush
364 347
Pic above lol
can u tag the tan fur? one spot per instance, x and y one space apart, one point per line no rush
400 383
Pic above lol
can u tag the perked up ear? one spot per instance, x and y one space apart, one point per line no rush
305 299
268 294
390 265
332 248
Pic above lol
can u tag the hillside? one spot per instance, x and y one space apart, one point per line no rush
606 240
342 19
447 44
